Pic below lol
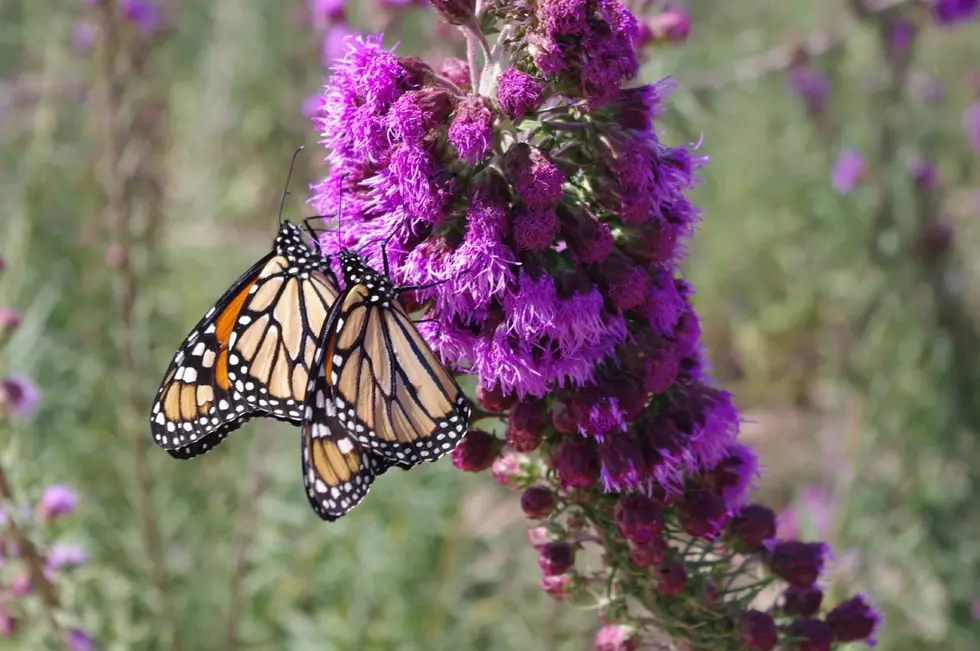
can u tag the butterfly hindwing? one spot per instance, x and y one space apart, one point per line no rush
251 354
387 387
337 471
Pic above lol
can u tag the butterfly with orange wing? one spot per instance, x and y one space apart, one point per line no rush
378 397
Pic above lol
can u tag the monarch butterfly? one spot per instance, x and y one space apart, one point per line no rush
252 352
379 396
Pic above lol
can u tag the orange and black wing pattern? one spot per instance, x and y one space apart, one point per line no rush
337 471
387 388
252 353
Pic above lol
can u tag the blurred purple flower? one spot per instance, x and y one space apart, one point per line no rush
20 396
78 640
9 318
924 174
146 15
902 36
811 84
849 169
66 555
672 25
950 12
312 105
57 500
83 36
971 124
327 10
8 623
334 45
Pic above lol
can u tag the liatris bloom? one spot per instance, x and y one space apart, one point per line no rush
146 15
812 635
672 25
57 500
19 396
951 12
849 169
802 601
78 640
66 555
546 219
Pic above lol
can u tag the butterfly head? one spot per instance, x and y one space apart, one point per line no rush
293 244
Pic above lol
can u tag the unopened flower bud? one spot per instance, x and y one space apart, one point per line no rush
538 502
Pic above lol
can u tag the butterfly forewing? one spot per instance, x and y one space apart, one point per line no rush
252 353
387 387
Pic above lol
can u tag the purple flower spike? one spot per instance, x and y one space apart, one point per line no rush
19 396
849 170
57 500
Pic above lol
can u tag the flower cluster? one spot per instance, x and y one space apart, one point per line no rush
547 220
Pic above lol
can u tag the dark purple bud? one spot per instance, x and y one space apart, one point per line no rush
616 637
577 463
802 601
798 563
456 71
672 25
672 578
526 425
146 15
538 502
560 587
518 93
535 229
626 285
476 451
752 526
757 630
457 12
639 518
702 514
471 131
494 400
534 176
556 558
57 500
854 620
590 239
561 420
650 553
812 635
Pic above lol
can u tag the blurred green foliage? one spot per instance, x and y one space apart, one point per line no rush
838 359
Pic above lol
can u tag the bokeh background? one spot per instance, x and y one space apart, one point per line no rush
141 162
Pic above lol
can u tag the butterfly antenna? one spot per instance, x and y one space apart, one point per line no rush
285 190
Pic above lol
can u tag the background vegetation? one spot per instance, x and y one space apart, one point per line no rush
134 189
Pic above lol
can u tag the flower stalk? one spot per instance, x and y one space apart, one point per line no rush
548 219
